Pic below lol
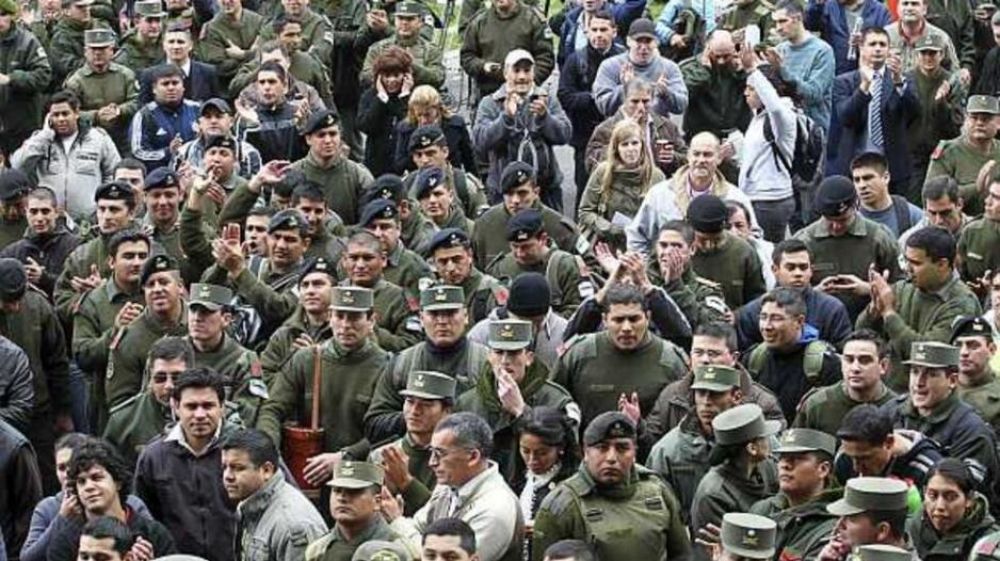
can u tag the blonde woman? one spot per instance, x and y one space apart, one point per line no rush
427 108
618 184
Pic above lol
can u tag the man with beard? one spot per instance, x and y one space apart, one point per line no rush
271 514
864 361
793 269
349 364
681 456
451 254
963 157
136 421
103 311
47 242
162 126
101 481
164 314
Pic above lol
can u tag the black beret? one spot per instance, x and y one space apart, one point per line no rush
524 225
115 190
970 326
425 136
607 425
161 178
427 179
516 174
320 120
220 141
13 184
157 264
13 280
288 219
449 237
387 186
320 265
378 209
707 213
835 195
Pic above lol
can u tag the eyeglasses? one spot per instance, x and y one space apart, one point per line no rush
161 378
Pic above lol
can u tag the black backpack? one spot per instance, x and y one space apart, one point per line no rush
809 159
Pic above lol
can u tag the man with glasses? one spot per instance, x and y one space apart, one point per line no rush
138 420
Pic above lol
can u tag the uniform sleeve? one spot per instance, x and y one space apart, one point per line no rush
543 51
283 396
90 344
754 285
20 393
274 307
430 70
678 544
469 58
35 72
130 105
213 51
706 509
55 360
903 336
384 418
557 519
194 242
588 214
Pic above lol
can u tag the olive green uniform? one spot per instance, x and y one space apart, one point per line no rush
397 328
117 85
938 120
127 364
220 32
727 488
137 53
470 195
489 238
921 316
428 64
978 249
482 294
66 47
134 422
416 231
804 529
314 25
93 252
690 293
865 244
956 158
756 13
824 408
488 37
302 67
325 245
560 269
595 372
536 390
280 347
405 268
955 545
343 182
335 547
240 370
985 399
350 378
735 266
25 62
11 231
418 492
681 459
637 519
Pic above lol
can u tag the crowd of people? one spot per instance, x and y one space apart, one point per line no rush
276 285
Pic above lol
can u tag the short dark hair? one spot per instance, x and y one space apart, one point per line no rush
308 190
604 13
128 235
940 187
132 164
719 330
171 348
866 334
470 430
577 550
957 472
42 193
870 160
257 444
787 299
735 206
452 527
624 294
679 226
266 211
162 71
865 423
99 452
64 96
873 30
790 245
288 183
365 239
896 519
937 243
279 23
274 66
200 378
106 527
791 6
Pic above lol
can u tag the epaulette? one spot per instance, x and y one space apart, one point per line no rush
939 150
559 500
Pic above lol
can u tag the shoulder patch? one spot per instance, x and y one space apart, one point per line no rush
939 150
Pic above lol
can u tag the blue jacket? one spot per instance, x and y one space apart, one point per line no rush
576 77
826 314
624 14
154 127
829 19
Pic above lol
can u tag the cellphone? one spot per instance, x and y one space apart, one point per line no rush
751 34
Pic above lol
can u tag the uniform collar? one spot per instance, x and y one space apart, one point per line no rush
858 228
941 411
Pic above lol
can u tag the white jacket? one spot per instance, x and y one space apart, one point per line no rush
762 177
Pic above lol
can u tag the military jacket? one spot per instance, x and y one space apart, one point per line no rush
25 62
220 31
681 459
560 269
335 547
489 237
957 544
824 408
803 530
418 492
129 350
405 269
985 399
117 85
727 488
240 370
956 158
428 65
490 36
138 55
482 294
343 182
690 292
978 249
397 327
134 422
736 267
280 347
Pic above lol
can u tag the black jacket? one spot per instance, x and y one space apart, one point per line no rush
48 251
277 137
66 544
20 487
824 312
201 84
988 78
576 80
456 133
379 121
784 374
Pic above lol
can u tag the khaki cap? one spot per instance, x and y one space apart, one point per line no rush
379 550
510 335
150 9
749 535
933 354
880 552
442 297
427 384
351 299
357 475
797 441
99 38
983 104
210 296
862 494
715 378
742 423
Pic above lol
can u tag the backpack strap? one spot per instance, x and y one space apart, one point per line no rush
902 209
779 159
812 361
757 359
550 276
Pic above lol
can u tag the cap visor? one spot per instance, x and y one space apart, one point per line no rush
421 395
924 363
507 346
643 34
210 306
771 428
841 507
349 308
750 553
712 387
350 483
795 449
434 307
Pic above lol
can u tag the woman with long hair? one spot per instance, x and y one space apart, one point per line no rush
383 105
427 108
618 185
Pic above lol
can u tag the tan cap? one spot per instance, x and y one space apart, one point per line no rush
862 494
749 535
357 475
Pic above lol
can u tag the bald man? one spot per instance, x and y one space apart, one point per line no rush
715 84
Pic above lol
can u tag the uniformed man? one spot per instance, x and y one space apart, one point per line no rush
494 32
625 362
428 147
806 485
230 39
428 67
444 321
508 387
309 324
681 456
517 184
879 552
314 25
748 12
108 92
67 41
720 255
438 200
349 363
137 420
978 250
107 309
872 512
743 471
934 408
88 263
963 157
416 230
700 300
308 79
864 362
428 398
46 242
363 263
354 506
25 73
14 187
624 510
404 268
747 536
162 194
977 383
309 199
923 307
343 180
532 251
845 244
140 46
451 255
